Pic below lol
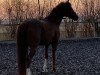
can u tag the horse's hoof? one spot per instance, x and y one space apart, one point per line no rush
28 71
44 73
53 72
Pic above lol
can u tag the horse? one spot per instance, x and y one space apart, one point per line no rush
34 32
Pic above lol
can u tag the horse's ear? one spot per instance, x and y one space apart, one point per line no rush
67 1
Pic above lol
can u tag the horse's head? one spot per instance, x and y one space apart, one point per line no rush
67 11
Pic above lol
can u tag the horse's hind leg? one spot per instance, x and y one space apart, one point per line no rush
29 58
54 48
46 59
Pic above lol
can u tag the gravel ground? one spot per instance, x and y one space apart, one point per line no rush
74 57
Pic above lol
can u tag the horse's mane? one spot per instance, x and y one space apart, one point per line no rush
56 12
60 7
55 9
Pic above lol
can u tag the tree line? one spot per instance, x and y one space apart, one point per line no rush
19 10
16 11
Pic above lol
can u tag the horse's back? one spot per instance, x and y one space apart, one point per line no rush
32 23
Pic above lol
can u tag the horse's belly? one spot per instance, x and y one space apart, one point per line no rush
44 42
46 37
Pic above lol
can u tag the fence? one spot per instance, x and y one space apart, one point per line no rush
79 30
8 32
67 30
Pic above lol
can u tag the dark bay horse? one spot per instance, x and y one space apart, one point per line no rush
32 33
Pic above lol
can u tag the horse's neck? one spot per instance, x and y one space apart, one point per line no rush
54 18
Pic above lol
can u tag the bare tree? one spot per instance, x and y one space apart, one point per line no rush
91 13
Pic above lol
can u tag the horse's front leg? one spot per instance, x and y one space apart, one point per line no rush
29 59
54 48
46 59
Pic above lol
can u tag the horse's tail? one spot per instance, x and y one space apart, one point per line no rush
22 49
